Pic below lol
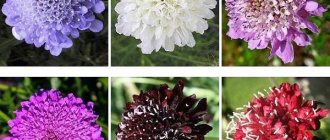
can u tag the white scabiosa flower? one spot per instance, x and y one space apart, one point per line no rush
163 23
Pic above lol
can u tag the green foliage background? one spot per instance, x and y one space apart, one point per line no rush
239 91
15 90
124 50
90 49
122 90
236 53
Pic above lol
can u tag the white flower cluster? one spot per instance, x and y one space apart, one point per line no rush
163 23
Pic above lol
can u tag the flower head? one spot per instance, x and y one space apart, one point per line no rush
52 22
49 116
164 114
275 22
163 23
283 115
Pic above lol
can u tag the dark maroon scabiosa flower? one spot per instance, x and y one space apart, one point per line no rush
49 116
282 115
164 114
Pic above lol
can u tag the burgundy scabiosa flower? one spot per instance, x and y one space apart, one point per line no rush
52 22
164 114
49 116
275 22
282 115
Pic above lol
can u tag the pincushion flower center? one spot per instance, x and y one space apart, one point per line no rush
50 136
272 6
268 15
52 10
257 4
170 1
167 8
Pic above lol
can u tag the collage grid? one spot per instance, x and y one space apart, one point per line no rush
164 69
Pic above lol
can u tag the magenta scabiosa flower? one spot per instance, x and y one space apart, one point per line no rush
164 114
49 116
277 23
282 115
52 22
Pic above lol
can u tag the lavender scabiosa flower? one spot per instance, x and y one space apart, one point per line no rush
49 116
163 23
275 22
164 114
52 22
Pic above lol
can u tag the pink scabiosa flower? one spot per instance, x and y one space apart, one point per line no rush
282 115
274 22
164 114
49 116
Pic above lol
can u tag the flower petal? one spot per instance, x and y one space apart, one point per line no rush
285 52
96 26
99 7
253 43
302 39
311 6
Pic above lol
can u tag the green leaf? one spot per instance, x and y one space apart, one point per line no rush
4 117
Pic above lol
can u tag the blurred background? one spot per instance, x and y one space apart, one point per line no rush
122 90
239 91
15 90
236 53
204 53
90 49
